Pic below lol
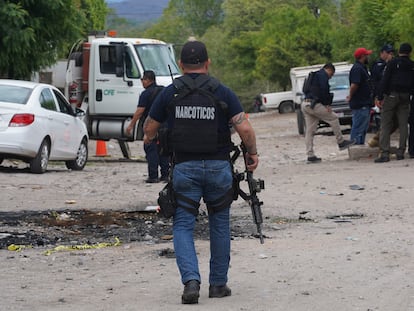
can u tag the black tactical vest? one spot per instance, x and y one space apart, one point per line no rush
196 117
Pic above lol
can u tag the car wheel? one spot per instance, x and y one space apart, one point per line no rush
286 107
81 157
301 121
38 165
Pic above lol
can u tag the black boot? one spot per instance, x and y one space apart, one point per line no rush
382 159
191 292
215 291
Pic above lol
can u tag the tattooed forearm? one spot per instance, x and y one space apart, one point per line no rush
151 127
238 118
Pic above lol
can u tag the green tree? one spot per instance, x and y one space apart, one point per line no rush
183 19
291 38
198 15
402 21
254 43
35 33
95 13
170 28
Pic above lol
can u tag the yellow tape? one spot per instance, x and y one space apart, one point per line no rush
17 248
61 248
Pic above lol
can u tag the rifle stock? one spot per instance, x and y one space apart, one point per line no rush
255 186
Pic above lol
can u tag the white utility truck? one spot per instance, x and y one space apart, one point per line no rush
102 77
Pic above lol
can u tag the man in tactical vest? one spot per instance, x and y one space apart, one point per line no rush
199 111
316 107
151 148
393 97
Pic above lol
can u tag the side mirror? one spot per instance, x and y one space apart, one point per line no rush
79 112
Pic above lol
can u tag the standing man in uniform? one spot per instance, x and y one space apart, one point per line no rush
360 95
201 165
377 69
151 148
394 93
377 72
316 107
411 129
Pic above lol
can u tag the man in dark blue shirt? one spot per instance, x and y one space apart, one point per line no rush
360 95
151 148
377 69
201 169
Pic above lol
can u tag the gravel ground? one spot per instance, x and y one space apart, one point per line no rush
338 235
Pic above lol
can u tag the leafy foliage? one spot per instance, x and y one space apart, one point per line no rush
252 43
35 33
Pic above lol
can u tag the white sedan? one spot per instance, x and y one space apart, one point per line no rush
37 124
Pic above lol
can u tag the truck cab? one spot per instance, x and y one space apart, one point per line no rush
103 77
106 83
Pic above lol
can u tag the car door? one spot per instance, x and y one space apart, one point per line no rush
72 127
52 123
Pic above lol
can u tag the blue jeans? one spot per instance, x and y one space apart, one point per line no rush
209 179
360 123
154 160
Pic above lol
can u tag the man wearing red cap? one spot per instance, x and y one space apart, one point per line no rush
360 95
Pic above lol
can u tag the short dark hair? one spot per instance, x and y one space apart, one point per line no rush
329 66
149 75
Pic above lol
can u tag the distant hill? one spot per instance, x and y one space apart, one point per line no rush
138 11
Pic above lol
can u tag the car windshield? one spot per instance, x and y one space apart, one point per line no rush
339 82
157 57
14 94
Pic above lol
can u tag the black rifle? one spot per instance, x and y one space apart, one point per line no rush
255 186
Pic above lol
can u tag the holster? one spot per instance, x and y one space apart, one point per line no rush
167 201
164 139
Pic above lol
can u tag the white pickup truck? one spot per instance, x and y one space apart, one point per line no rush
283 101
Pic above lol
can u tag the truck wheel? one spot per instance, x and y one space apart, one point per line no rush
286 107
301 121
38 165
81 158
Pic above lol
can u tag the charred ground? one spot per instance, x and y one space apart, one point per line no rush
69 227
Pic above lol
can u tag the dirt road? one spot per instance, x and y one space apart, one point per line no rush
339 235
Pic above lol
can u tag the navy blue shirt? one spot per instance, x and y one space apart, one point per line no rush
159 111
162 111
363 96
377 71
146 98
320 88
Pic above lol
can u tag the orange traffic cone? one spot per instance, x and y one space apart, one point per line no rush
101 148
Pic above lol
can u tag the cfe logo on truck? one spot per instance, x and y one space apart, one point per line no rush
109 92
